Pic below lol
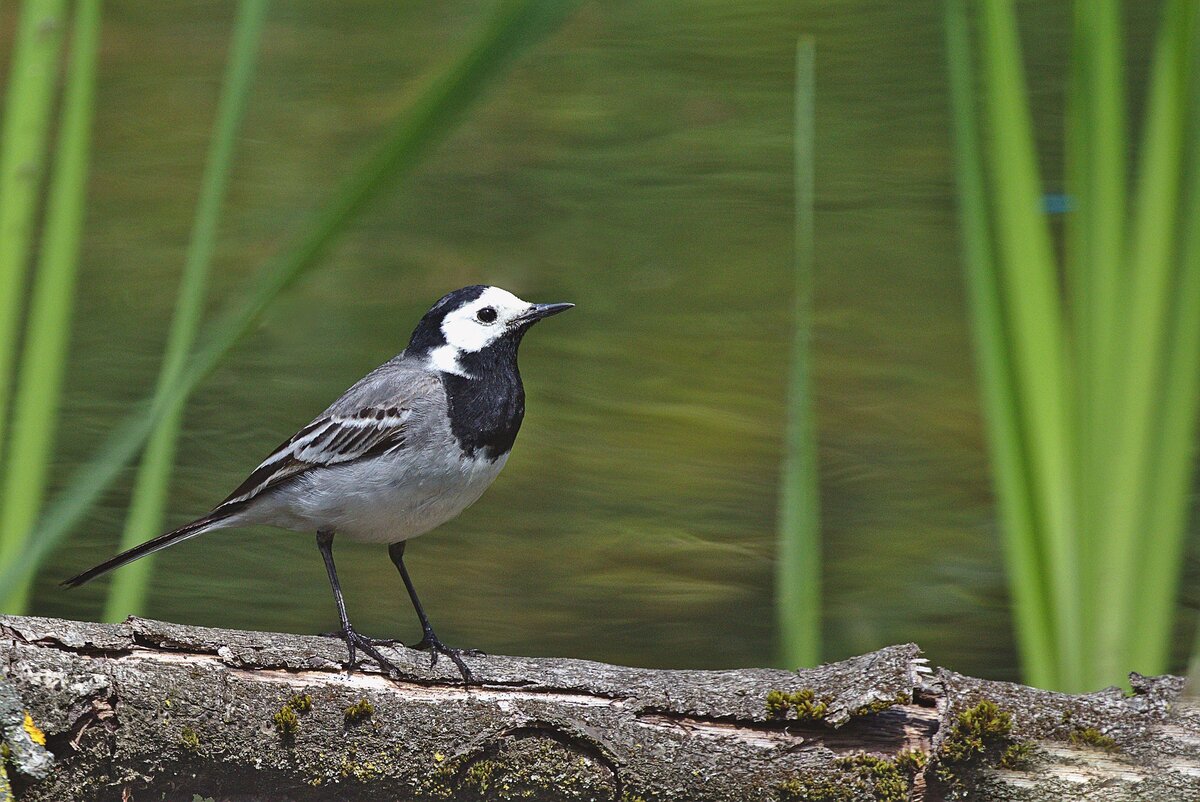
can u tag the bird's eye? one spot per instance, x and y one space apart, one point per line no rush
486 315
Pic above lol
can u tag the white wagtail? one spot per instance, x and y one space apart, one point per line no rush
407 448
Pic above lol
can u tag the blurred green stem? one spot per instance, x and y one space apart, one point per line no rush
24 140
1035 328
127 595
798 565
1138 402
1026 573
47 335
1096 145
1170 487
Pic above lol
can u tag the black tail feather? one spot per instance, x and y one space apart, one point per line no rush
196 527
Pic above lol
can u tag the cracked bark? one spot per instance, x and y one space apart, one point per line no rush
152 710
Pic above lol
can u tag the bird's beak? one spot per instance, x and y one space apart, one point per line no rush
538 311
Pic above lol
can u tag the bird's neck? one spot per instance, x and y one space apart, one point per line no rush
486 406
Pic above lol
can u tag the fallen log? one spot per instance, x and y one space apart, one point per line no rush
153 710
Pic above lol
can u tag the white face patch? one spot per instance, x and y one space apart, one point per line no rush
478 324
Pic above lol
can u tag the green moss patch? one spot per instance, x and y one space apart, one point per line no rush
980 737
287 718
287 723
521 769
1017 756
912 761
859 777
801 705
190 739
358 770
301 703
814 790
360 711
882 705
977 731
1092 737
886 781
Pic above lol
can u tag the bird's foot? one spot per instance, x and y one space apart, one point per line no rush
390 642
355 642
436 647
337 633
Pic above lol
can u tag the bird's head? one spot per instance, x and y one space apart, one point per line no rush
474 322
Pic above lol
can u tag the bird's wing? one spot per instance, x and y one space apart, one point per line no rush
331 439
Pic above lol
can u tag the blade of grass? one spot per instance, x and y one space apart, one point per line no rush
798 566
1033 308
1138 373
1169 488
514 27
1077 152
35 411
127 593
1102 211
1096 143
1161 548
24 140
1027 582
1079 255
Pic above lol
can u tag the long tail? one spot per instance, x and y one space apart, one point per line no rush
197 527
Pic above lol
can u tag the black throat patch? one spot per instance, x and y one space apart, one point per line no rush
486 411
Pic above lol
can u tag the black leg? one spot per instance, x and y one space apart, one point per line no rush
353 639
429 640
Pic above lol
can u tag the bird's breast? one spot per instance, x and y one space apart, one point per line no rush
485 412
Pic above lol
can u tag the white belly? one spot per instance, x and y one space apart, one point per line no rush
382 500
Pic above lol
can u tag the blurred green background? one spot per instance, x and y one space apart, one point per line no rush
637 162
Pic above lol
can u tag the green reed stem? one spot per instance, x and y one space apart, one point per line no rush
1097 165
798 566
1169 488
1144 321
1034 324
127 593
44 357
1028 583
24 141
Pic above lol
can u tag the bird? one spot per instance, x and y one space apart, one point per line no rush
404 450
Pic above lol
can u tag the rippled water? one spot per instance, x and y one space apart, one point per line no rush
639 164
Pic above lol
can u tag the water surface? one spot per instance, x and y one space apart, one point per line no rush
638 163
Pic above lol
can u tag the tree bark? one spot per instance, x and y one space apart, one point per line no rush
153 710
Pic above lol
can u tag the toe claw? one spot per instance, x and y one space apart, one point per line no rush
391 643
436 647
356 642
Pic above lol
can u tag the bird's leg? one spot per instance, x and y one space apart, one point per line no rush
354 641
429 639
